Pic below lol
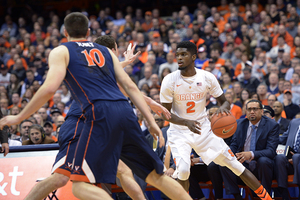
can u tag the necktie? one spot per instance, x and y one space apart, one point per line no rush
252 163
297 142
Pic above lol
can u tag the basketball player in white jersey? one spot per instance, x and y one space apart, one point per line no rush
183 93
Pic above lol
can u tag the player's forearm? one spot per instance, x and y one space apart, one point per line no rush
177 120
125 63
139 101
38 100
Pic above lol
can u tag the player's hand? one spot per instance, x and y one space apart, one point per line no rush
129 57
5 148
156 133
243 156
194 126
9 120
159 109
169 172
222 110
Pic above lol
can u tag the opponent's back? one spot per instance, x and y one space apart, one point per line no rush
90 74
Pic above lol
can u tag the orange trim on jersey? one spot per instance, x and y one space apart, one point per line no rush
82 178
83 93
63 172
78 41
87 144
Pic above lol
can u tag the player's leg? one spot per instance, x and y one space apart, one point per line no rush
247 177
83 190
181 150
167 185
45 187
128 183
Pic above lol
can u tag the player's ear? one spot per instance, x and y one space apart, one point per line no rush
88 33
194 57
66 33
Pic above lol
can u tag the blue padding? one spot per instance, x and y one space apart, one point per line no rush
36 147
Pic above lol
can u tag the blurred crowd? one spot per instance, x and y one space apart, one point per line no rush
252 49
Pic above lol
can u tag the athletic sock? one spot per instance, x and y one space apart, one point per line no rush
262 193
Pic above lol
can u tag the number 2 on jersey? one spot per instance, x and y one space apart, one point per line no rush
92 59
190 105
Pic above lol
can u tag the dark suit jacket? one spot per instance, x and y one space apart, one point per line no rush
161 151
288 137
284 124
267 137
3 133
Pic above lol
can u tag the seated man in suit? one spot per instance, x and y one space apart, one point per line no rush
254 143
285 166
283 122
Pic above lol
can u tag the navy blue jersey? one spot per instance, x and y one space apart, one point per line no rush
74 110
90 74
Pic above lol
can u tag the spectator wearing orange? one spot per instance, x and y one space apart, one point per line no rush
262 91
15 100
148 21
296 44
235 110
223 8
287 37
197 40
13 57
240 66
215 55
18 69
219 22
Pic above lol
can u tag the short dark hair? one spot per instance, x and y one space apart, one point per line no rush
248 69
76 24
26 120
256 101
107 41
191 47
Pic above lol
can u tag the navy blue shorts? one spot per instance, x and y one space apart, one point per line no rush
68 137
111 128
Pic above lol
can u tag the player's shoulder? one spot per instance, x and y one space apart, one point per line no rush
59 51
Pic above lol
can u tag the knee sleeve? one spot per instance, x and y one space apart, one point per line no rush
183 170
234 165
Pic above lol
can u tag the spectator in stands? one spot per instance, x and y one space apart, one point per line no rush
43 112
56 99
286 166
15 100
296 83
9 26
39 119
237 89
292 28
248 81
37 136
268 112
287 37
226 82
273 81
215 56
4 75
256 155
14 110
287 85
48 128
228 54
173 66
235 110
271 99
148 21
262 91
61 107
283 122
202 57
18 69
147 73
260 68
24 130
295 63
273 53
290 108
285 65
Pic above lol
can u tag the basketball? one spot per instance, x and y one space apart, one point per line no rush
223 125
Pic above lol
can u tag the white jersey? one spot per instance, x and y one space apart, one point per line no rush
188 94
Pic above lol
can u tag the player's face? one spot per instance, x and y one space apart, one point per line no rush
254 112
184 58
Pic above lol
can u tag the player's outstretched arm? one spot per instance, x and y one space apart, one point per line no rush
193 125
58 61
137 98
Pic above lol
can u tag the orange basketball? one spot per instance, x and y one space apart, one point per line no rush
223 125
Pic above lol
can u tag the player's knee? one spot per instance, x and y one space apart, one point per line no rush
59 180
184 170
236 167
